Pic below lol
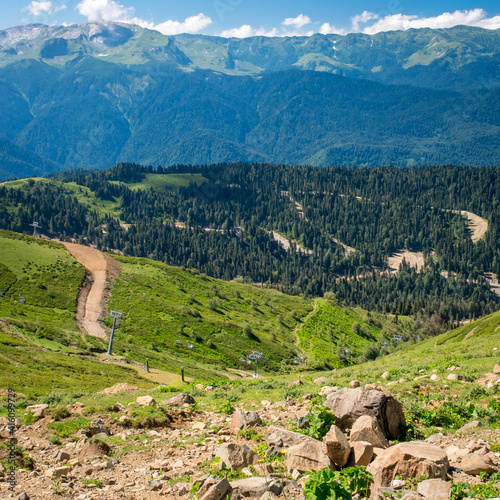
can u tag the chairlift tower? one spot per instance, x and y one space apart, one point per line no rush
256 357
35 226
115 315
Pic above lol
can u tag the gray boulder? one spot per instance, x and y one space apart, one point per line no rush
350 404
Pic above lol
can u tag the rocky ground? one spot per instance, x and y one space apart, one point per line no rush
256 452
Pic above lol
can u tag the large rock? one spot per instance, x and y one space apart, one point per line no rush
350 404
98 426
336 446
145 401
214 489
254 487
180 399
243 420
236 456
437 489
473 464
361 453
306 456
366 428
278 437
412 459
37 410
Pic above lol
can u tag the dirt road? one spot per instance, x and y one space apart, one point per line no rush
89 306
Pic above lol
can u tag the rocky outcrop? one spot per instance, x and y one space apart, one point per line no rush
366 428
236 456
243 420
336 446
306 456
350 404
412 459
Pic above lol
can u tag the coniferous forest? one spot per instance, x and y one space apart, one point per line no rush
342 224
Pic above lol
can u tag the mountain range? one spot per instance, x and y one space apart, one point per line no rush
91 95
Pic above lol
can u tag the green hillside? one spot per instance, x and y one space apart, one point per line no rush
222 321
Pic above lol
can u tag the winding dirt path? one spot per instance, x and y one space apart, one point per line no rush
92 291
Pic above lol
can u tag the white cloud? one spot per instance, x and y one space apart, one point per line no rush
298 21
193 24
362 19
110 10
328 29
246 31
38 8
474 17
104 10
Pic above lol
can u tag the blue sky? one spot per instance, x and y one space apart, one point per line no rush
257 17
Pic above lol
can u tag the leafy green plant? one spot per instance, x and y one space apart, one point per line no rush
324 485
319 423
356 480
226 408
97 482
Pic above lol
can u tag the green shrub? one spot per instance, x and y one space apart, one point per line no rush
320 421
323 485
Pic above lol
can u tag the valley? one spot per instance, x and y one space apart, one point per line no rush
292 242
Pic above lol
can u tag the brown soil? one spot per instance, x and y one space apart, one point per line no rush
477 225
414 259
92 291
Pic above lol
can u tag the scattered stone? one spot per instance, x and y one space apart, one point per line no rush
199 387
200 426
455 453
336 446
327 389
296 475
435 438
37 410
279 438
320 380
180 399
435 378
209 388
59 471
413 458
255 487
470 425
366 428
361 453
145 401
306 456
354 383
62 456
154 485
384 375
215 489
297 382
398 484
437 489
98 426
453 377
243 420
350 404
473 464
236 456
119 406
496 369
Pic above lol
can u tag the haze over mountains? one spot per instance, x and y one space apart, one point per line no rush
91 95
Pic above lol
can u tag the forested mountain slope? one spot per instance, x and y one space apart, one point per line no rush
298 229
92 95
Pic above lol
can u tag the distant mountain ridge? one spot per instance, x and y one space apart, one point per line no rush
96 94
